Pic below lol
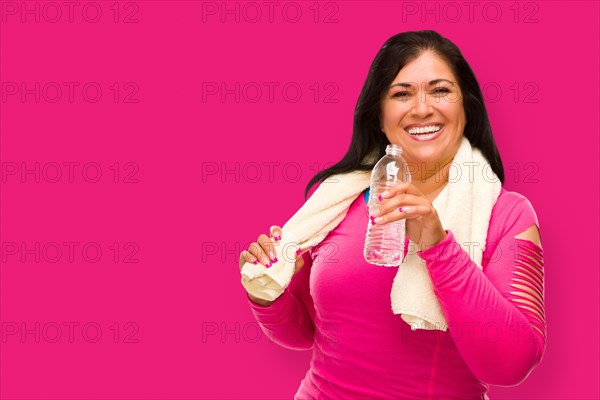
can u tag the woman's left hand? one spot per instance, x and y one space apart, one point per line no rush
423 226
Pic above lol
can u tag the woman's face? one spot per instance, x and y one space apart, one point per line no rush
424 94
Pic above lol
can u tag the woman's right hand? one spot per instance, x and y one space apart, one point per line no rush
263 251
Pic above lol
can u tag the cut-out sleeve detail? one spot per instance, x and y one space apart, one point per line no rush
506 296
528 283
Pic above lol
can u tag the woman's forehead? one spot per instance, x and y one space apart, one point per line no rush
424 69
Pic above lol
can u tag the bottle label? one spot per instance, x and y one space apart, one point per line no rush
391 171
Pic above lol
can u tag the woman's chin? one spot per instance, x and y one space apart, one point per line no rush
427 158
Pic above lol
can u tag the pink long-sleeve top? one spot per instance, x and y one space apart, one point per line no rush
339 306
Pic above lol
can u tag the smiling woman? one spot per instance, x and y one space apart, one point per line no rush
421 95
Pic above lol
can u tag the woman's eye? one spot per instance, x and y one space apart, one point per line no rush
400 94
441 91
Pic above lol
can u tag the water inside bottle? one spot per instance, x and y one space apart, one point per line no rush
384 244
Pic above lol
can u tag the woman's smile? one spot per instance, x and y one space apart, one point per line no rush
425 132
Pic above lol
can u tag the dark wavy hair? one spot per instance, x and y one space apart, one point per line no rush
395 53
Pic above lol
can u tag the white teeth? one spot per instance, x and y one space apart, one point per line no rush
425 129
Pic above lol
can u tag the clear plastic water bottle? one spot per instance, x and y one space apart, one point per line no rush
384 244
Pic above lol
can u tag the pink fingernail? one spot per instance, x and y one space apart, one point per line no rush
255 262
400 209
298 251
277 238
380 198
275 260
268 265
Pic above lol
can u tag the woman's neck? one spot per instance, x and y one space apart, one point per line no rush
431 180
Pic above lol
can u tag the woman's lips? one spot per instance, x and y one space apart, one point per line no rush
426 137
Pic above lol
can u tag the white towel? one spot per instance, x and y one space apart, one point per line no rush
464 206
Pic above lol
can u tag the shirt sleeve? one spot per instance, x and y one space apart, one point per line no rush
288 321
496 315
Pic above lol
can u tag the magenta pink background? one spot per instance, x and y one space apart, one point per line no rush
184 328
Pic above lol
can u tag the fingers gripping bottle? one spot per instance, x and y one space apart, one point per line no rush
384 244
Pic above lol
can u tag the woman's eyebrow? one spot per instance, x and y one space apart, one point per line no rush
431 83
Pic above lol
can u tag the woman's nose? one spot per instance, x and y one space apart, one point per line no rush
421 106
